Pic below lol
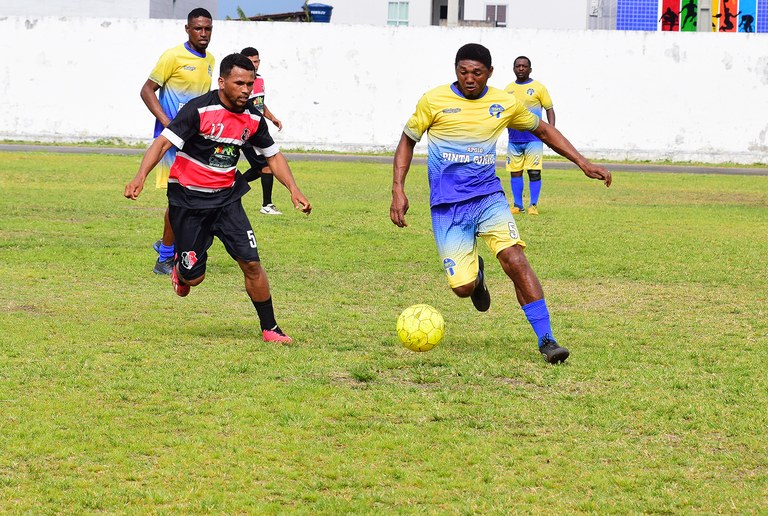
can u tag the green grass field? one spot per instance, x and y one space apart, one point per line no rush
116 396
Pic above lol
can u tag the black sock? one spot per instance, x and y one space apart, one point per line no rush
266 313
251 174
267 181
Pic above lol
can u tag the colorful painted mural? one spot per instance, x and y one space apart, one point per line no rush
689 14
747 15
670 15
728 16
637 14
683 15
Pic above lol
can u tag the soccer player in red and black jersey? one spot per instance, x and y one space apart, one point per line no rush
205 188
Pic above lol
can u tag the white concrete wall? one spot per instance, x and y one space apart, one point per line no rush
640 95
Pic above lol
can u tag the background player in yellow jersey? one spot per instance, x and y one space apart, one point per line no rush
525 151
464 121
181 74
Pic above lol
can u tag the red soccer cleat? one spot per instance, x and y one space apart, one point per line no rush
276 335
178 287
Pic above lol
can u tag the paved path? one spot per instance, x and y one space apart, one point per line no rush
556 165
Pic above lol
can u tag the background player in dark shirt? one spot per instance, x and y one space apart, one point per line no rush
205 189
259 167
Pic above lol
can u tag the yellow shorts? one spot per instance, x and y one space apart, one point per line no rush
524 156
457 226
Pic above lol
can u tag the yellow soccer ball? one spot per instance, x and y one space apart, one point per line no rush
420 327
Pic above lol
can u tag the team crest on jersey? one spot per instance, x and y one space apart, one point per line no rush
530 91
245 135
210 71
496 110
188 259
448 265
224 156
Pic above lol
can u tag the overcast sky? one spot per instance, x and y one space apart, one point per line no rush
256 7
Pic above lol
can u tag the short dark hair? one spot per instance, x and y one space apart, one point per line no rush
198 12
249 52
474 52
522 57
235 60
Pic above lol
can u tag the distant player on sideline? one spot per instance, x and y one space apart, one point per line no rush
525 151
464 121
181 74
205 189
259 167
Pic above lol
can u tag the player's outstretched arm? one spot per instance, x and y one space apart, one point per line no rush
400 167
151 158
280 169
560 144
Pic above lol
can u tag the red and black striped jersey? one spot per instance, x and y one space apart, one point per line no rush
257 95
209 137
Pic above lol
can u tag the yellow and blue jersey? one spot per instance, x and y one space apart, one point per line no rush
462 134
182 74
535 97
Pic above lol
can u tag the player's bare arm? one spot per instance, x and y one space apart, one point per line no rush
555 140
282 172
400 167
151 158
551 116
150 100
272 118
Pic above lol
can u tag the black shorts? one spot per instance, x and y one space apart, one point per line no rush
194 230
257 162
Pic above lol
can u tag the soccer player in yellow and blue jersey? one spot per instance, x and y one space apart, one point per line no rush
181 74
463 121
525 151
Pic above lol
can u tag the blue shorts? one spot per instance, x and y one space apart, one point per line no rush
457 226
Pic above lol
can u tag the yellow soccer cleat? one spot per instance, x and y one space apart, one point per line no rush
533 210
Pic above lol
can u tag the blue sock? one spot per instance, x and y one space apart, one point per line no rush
166 251
517 190
535 187
538 315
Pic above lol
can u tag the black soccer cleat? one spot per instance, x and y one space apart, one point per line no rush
163 266
481 298
552 351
